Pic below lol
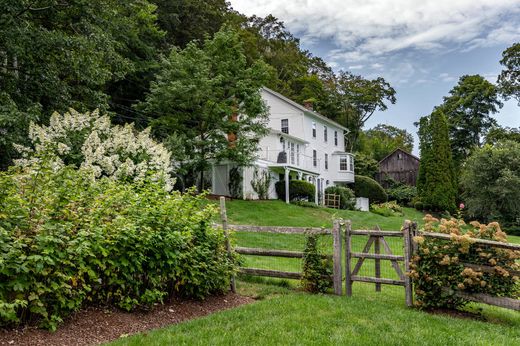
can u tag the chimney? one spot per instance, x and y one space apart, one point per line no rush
308 104
232 137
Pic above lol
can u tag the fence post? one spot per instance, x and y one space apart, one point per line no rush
408 291
348 250
336 236
223 216
377 261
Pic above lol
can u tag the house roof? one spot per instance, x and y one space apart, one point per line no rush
401 150
286 135
305 110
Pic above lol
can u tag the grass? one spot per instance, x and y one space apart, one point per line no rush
284 315
368 318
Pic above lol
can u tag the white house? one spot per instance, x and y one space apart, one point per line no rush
302 144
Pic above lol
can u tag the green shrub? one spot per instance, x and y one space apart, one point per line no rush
67 241
402 194
299 190
369 188
316 268
387 209
305 204
347 199
440 264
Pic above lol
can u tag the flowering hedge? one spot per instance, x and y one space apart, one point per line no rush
441 263
67 241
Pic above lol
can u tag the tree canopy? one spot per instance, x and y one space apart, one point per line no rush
509 78
382 140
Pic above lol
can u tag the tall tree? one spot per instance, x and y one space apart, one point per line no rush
499 134
206 103
436 183
359 99
383 139
509 78
469 108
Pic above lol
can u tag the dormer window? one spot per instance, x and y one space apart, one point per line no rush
313 129
285 126
325 134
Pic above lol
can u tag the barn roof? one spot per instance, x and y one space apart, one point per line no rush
401 150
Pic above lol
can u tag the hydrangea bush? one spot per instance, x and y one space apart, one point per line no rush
67 241
438 268
90 142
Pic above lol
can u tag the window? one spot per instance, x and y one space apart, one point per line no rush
326 161
343 163
336 138
282 141
351 162
313 130
314 158
298 154
325 133
291 145
285 126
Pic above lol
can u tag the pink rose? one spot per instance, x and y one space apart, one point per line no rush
461 206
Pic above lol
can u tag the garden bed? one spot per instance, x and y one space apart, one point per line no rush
94 326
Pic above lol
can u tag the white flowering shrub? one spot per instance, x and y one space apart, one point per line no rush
90 142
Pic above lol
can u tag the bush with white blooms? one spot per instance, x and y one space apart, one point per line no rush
90 142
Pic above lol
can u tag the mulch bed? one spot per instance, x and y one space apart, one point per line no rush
94 326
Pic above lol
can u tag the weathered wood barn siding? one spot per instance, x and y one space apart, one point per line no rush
400 166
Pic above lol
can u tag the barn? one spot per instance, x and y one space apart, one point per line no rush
400 166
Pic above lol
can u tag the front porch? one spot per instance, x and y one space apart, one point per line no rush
291 172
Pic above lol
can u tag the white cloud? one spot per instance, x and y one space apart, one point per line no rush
367 29
355 67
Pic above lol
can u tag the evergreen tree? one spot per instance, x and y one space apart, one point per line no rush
436 182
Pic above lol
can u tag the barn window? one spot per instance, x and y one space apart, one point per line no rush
399 156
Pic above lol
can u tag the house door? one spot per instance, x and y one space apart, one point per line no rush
221 177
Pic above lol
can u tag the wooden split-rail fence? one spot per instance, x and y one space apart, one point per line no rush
382 251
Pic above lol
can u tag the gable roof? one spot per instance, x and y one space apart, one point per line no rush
305 110
401 150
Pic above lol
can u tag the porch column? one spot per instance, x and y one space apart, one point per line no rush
286 185
213 179
316 190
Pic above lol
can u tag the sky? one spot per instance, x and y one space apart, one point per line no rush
422 47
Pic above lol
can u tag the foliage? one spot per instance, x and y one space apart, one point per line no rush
468 111
491 184
436 183
509 78
235 182
382 140
347 199
305 204
198 95
299 190
88 141
366 165
359 99
369 188
402 193
497 134
67 242
261 182
440 264
387 209
315 267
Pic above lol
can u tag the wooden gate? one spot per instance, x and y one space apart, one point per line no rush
376 238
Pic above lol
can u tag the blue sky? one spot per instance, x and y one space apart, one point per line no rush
420 47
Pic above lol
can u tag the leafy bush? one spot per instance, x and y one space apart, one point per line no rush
305 204
369 188
347 200
387 209
440 264
491 184
67 241
316 268
235 182
89 141
261 183
402 194
299 190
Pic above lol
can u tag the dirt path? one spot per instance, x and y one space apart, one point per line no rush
96 326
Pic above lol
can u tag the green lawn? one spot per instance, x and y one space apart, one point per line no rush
284 315
368 318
